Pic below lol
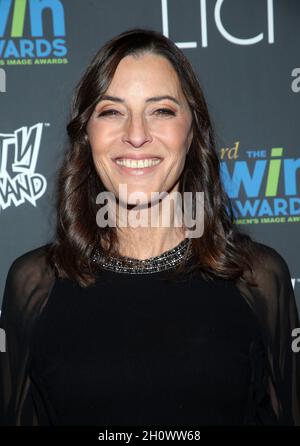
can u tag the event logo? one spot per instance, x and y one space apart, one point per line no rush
19 182
262 188
27 45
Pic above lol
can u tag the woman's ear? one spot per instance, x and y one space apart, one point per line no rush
86 138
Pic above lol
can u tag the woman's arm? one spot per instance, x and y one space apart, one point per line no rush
27 287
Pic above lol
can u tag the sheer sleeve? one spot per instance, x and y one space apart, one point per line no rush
274 304
28 283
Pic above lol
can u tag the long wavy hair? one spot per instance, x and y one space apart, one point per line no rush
222 251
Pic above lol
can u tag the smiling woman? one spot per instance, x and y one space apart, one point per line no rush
152 327
141 129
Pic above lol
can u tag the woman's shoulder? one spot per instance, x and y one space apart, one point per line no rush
32 262
268 261
28 273
273 288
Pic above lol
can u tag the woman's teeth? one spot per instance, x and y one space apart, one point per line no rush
136 164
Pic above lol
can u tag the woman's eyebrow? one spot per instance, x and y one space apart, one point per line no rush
152 99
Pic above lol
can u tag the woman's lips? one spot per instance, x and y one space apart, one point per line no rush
136 171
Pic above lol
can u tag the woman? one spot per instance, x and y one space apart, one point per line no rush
124 325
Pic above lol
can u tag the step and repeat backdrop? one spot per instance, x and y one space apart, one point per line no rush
246 56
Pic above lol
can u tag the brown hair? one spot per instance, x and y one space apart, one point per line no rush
222 251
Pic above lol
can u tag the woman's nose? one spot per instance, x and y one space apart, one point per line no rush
136 131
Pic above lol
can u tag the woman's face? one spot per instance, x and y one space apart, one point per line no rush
138 124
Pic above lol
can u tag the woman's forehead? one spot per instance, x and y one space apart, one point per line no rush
148 68
148 76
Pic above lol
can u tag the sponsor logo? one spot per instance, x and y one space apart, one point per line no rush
266 34
19 181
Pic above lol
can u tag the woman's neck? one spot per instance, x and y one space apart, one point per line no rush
143 243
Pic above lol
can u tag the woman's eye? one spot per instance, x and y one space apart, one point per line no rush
160 111
108 112
165 111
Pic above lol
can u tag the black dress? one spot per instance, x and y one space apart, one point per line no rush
141 349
